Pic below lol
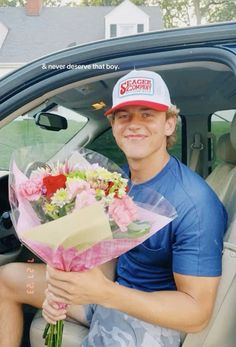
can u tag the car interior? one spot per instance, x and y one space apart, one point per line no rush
205 92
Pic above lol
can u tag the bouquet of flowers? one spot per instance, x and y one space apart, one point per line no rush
77 212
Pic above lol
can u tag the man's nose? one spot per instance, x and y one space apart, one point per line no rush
134 122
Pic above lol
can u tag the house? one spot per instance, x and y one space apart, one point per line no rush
29 32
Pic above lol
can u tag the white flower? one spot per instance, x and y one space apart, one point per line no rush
61 197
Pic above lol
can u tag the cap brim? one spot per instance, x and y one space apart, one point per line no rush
149 104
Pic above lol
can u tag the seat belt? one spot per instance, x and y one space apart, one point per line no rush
196 147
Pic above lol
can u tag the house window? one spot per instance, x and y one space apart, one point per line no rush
113 30
126 29
140 28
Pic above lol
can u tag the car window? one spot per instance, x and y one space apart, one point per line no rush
23 131
220 124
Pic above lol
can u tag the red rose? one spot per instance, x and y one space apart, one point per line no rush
52 183
109 185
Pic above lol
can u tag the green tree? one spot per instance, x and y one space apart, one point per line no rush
189 12
49 3
110 2
12 3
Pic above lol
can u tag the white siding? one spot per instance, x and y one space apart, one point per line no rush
126 17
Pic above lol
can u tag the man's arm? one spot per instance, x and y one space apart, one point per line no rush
187 309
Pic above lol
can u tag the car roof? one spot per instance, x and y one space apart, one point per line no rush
198 65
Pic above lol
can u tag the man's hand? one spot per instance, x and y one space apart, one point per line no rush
186 309
78 288
51 310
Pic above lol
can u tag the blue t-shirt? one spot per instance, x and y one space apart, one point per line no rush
191 244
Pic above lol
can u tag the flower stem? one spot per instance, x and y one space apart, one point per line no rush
53 334
46 330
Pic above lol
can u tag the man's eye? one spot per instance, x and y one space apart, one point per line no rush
121 116
146 115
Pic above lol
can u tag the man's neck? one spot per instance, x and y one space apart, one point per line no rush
144 169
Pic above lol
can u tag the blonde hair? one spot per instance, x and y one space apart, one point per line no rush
172 111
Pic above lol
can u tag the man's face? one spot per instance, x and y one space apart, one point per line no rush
141 132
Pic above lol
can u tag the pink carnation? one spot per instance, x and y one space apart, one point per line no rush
77 186
31 189
85 198
123 211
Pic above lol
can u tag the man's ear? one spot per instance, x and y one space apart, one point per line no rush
170 125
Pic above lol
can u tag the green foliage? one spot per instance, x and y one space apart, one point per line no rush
49 3
189 12
12 3
110 2
174 12
101 2
225 11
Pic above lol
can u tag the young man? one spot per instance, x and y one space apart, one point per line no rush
165 285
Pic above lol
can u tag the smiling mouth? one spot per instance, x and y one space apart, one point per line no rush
135 137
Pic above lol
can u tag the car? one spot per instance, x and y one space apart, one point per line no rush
61 99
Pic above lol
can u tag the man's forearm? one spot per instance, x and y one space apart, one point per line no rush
187 309
171 309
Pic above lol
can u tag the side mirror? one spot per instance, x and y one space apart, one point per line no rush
50 121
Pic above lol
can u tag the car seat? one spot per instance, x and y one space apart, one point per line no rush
221 176
221 329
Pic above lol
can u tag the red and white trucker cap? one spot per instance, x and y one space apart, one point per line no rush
140 88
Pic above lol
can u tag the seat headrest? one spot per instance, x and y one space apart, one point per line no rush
233 132
224 149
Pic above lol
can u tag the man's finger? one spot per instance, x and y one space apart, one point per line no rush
53 308
49 320
61 288
66 286
58 274
57 298
54 314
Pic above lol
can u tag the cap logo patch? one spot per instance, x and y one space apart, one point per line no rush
136 86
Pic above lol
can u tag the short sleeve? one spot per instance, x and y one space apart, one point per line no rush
198 239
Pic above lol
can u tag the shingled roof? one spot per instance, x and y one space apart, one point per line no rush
30 37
